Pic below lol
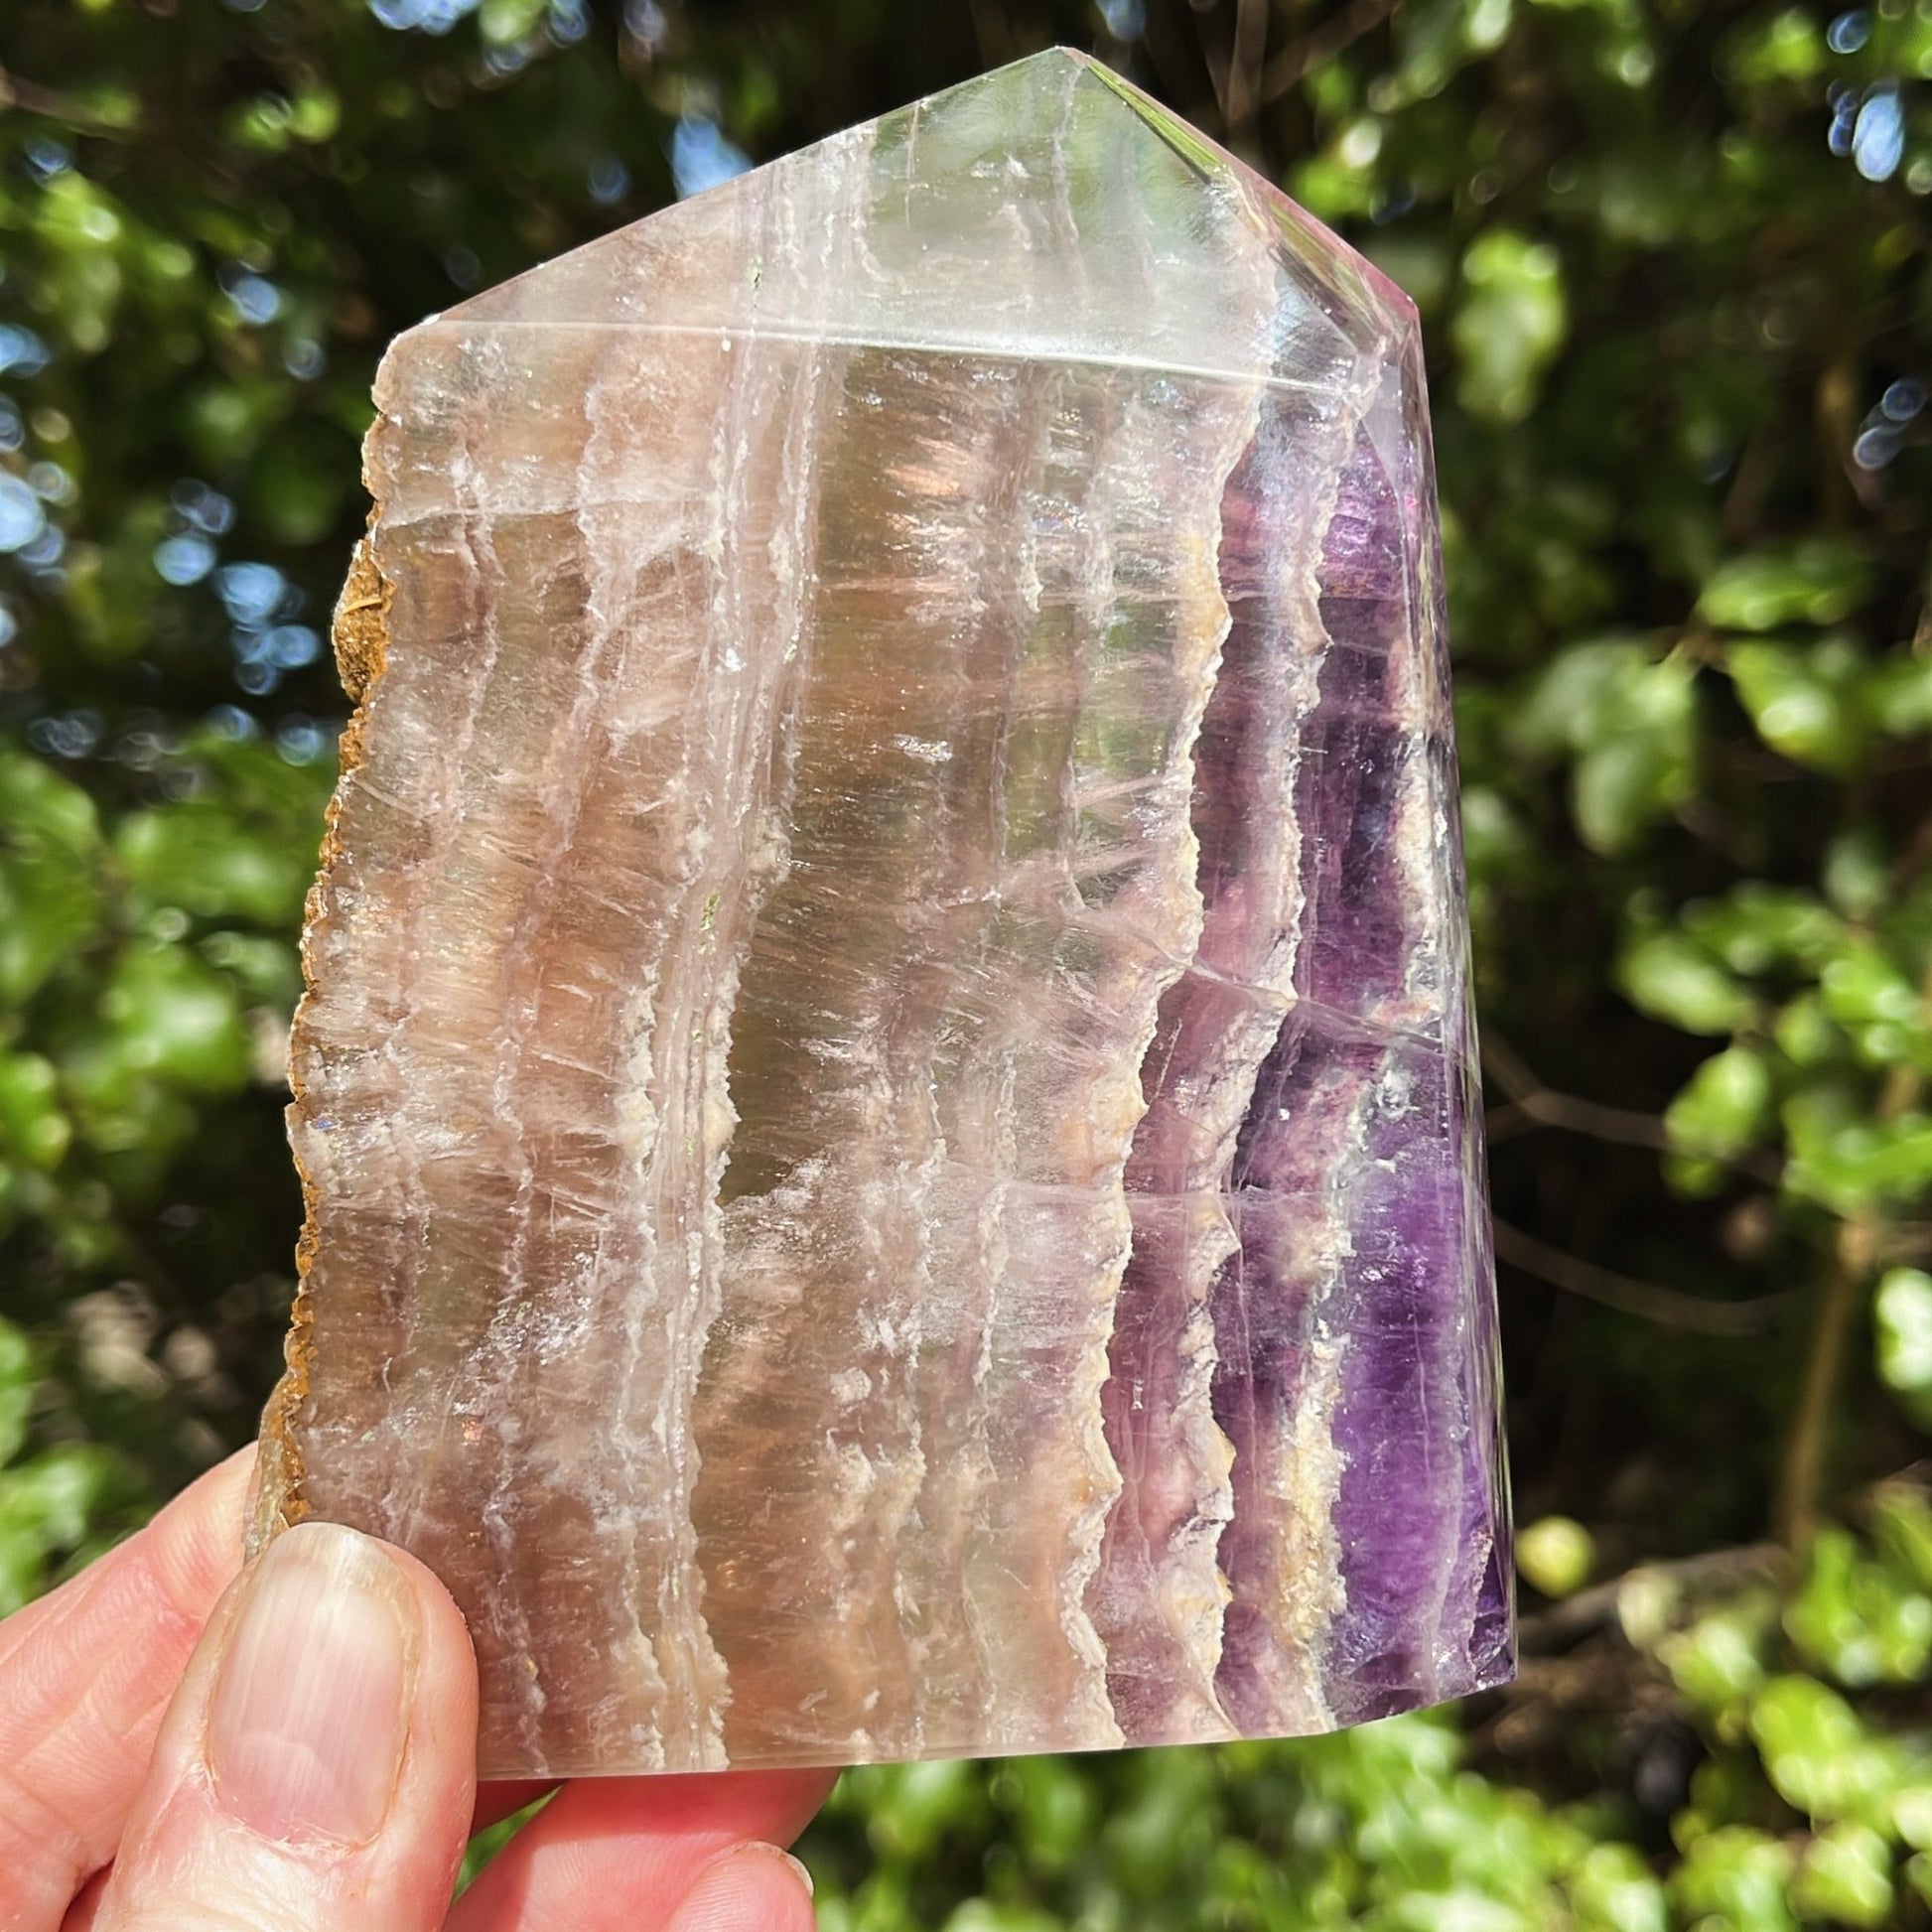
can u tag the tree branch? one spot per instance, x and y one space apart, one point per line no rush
1533 1105
1862 1243
1173 56
1244 62
1293 63
1548 1108
1802 1480
1668 1308
32 99
1219 69
1576 1617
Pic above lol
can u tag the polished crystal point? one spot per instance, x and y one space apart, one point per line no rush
887 1091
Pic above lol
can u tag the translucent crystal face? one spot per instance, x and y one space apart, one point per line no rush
888 1086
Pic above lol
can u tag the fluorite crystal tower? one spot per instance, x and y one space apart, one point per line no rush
887 1089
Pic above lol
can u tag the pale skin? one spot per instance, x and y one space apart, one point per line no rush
188 1745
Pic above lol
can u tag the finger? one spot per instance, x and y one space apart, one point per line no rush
617 1855
494 1802
756 1890
85 1677
316 1771
82 1914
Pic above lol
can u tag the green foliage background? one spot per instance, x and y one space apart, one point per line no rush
1673 261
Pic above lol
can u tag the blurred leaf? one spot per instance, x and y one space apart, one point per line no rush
47 1505
1819 1755
1898 694
1845 1876
1848 1162
1820 580
1612 1890
1719 1662
1902 1314
1674 979
33 1128
1865 1623
1631 724
1509 325
171 1016
17 1381
49 899
1555 1554
1805 702
1761 929
1736 1876
1725 1107
200 857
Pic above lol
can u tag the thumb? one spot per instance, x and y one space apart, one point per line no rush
316 1770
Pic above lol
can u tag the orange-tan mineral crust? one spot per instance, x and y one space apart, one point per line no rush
361 636
887 1094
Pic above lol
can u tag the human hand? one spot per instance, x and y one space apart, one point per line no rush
184 1748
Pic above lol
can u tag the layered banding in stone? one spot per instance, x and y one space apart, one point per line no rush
887 1091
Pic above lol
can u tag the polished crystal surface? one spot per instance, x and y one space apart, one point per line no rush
887 1092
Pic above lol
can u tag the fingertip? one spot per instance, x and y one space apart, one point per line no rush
755 1888
446 1668
436 1788
84 1676
320 1751
84 1912
705 1809
193 1546
220 1495
637 1846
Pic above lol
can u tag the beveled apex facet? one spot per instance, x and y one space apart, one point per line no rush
887 1090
